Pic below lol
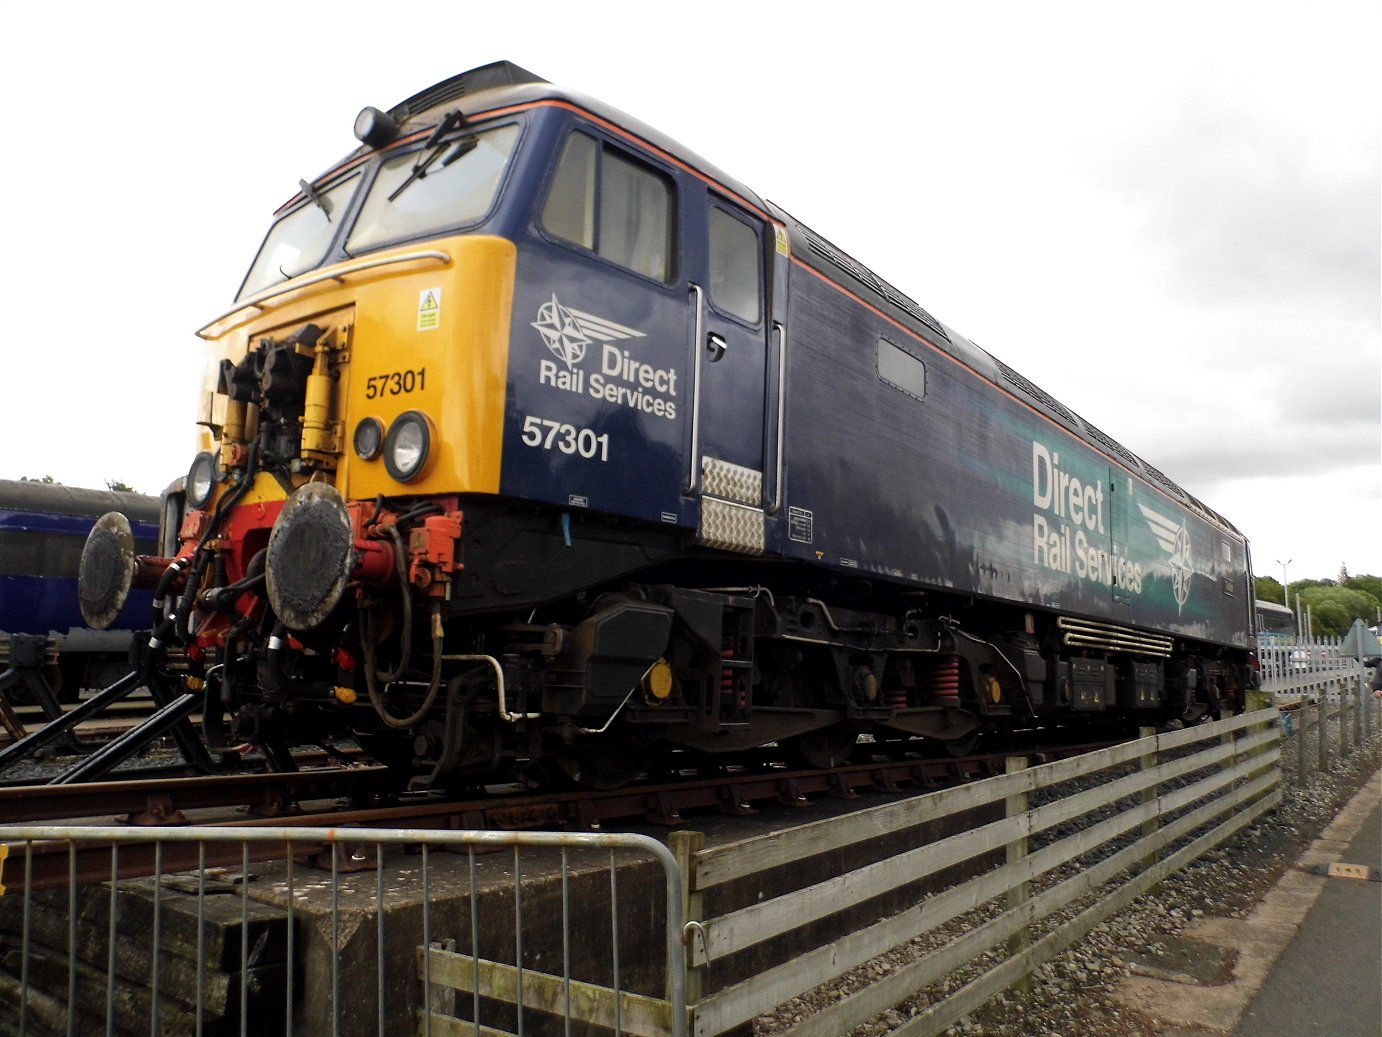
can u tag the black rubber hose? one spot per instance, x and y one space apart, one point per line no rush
183 611
371 680
272 677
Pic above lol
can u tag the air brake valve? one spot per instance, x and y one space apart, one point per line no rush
432 553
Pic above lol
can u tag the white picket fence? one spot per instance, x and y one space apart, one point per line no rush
1311 669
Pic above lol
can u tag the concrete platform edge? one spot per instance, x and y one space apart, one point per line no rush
1259 939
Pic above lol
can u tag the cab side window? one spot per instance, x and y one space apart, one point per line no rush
736 266
613 205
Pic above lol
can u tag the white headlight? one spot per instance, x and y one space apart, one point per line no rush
369 438
408 446
201 480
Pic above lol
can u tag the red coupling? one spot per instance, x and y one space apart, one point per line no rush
149 569
374 562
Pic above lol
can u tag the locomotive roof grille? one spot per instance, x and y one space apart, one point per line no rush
1137 464
1129 458
1113 446
486 77
862 274
1036 393
867 277
1160 477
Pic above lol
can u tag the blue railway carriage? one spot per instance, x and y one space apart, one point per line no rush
534 440
1276 624
43 527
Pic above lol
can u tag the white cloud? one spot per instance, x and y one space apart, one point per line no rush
1167 217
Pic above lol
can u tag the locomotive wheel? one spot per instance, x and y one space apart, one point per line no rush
963 745
823 749
392 751
598 765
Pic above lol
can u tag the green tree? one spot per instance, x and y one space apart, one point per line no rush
116 486
1333 609
42 478
1267 588
1366 583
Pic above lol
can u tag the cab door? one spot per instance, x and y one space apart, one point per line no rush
730 433
598 405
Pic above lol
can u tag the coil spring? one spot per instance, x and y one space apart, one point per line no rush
945 680
731 689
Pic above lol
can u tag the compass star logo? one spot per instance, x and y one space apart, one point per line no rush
561 331
1174 539
567 332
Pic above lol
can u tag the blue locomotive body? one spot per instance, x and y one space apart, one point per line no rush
682 474
875 440
917 457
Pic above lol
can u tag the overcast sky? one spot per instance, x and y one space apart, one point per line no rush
1166 215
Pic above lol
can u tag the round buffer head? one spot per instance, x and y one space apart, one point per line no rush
106 572
311 556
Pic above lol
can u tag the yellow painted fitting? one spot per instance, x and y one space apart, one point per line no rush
658 682
194 683
995 690
871 687
234 429
345 696
317 437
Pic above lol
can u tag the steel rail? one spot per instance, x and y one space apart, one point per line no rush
159 800
660 804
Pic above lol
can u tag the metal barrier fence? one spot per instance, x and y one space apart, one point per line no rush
487 933
226 949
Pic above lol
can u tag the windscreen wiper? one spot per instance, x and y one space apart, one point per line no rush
432 149
316 198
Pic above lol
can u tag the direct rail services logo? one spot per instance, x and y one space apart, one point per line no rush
621 379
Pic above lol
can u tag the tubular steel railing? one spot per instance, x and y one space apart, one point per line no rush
287 947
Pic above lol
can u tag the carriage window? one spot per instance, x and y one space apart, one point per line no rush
617 208
735 266
901 370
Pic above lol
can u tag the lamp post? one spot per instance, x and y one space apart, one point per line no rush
1284 592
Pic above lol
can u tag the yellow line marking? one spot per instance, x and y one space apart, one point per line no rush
1350 871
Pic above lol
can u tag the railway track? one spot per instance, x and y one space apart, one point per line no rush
115 721
367 797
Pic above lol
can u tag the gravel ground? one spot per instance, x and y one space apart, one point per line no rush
1074 993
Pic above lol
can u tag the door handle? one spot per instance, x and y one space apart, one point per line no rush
715 346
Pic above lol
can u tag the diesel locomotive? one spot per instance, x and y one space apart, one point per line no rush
533 442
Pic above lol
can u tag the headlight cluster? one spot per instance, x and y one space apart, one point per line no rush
407 448
201 480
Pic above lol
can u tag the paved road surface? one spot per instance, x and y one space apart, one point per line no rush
1328 982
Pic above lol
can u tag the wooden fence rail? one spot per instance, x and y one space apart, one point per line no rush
996 877
1126 827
